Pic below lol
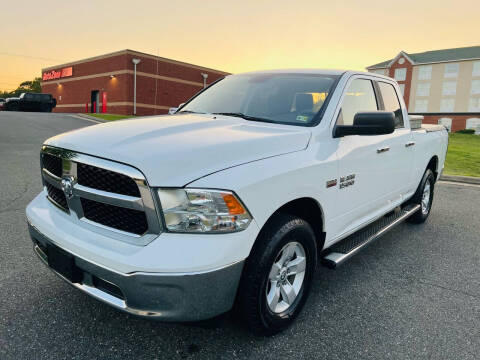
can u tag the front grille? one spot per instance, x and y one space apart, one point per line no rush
103 195
106 180
129 220
57 195
52 163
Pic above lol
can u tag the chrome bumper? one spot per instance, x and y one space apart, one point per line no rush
163 296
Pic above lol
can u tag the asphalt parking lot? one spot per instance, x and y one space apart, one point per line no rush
414 294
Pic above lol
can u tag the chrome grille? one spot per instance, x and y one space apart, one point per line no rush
57 196
133 221
52 163
108 197
106 180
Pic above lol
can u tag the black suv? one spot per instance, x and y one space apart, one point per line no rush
31 102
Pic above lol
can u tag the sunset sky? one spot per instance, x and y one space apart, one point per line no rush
233 36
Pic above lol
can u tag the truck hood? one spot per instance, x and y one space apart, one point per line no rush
176 150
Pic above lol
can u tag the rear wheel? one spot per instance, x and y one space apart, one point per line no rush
277 276
424 197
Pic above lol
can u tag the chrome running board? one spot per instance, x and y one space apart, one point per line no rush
351 245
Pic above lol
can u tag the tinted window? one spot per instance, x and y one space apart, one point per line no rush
359 96
29 96
281 98
391 103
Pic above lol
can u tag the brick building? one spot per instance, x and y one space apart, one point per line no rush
441 85
105 83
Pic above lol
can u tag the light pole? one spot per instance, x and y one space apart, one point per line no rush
135 63
205 76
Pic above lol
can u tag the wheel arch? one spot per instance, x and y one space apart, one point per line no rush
433 165
307 209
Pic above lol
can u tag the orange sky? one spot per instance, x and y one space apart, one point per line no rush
234 36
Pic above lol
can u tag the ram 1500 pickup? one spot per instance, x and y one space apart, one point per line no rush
231 201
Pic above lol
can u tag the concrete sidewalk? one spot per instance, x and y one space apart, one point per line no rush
461 179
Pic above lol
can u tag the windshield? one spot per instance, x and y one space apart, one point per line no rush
280 98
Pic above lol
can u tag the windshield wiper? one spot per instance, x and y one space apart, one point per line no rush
189 112
243 116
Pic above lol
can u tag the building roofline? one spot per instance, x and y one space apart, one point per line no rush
133 52
373 67
401 53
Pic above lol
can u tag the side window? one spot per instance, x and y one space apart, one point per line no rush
391 103
359 96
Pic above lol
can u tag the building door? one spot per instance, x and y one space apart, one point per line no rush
94 99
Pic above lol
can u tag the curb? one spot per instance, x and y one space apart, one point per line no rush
88 117
461 179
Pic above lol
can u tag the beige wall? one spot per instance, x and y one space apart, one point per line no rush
463 90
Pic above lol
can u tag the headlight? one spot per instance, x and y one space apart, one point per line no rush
203 211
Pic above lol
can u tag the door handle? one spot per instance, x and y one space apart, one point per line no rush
382 150
408 144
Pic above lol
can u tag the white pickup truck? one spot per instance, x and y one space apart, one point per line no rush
232 201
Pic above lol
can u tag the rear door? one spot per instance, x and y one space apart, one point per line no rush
401 146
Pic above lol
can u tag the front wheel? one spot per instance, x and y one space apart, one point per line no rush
424 197
277 276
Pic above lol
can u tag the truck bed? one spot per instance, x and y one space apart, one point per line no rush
430 128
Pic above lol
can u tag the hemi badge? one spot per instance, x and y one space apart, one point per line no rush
331 183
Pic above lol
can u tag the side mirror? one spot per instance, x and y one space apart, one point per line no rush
172 110
368 123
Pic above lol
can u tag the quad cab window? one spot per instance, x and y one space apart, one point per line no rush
391 103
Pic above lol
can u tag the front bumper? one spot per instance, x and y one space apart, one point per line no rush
166 296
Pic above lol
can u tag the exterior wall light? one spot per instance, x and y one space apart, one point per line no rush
205 76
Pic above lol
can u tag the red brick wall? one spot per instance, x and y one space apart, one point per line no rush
161 93
408 78
459 122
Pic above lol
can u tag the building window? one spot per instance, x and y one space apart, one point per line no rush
450 88
421 105
474 105
451 70
447 122
476 68
400 74
402 89
473 123
423 89
475 87
447 105
379 71
425 72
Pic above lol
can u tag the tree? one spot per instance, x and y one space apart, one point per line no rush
26 86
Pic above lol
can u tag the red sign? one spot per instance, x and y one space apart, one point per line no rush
54 75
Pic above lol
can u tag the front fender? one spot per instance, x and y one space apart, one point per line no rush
266 185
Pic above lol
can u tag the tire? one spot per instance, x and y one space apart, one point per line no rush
426 186
283 236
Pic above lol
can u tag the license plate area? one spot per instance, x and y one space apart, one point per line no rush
63 263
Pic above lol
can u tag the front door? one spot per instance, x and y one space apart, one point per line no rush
363 178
